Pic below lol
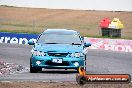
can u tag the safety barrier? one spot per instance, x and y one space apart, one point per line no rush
97 43
110 44
16 38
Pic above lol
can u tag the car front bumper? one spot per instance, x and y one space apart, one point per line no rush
67 62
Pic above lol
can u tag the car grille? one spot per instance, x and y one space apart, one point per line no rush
64 63
58 54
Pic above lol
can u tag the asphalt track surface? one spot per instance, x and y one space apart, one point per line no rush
98 61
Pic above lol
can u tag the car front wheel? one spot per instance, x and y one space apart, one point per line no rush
34 69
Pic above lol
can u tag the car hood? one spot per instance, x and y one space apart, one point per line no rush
58 48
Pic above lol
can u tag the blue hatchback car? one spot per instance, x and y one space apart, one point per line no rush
58 49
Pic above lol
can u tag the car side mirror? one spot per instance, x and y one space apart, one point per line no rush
31 42
86 44
82 37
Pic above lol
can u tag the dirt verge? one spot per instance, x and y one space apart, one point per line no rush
10 68
59 85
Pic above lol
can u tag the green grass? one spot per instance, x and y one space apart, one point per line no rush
20 31
17 25
34 21
31 28
7 6
129 38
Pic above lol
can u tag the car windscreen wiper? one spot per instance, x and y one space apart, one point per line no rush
51 43
75 44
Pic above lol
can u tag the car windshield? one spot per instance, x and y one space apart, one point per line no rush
59 39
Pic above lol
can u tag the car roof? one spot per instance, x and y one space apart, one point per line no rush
60 31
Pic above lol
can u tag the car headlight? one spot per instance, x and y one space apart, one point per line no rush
76 54
37 53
